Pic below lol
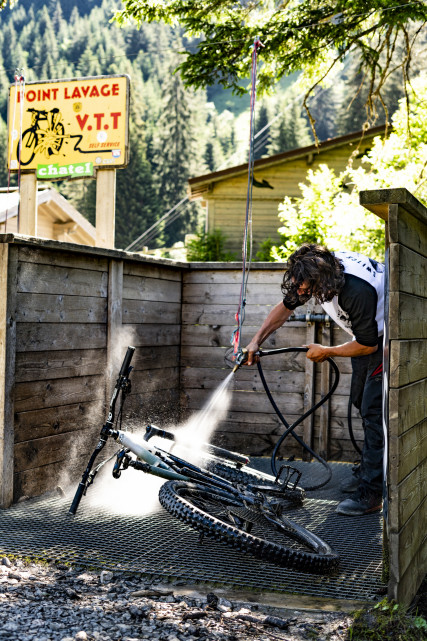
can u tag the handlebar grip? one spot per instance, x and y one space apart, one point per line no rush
77 498
127 360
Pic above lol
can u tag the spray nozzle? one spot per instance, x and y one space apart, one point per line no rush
241 357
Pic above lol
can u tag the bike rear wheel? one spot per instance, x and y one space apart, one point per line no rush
225 517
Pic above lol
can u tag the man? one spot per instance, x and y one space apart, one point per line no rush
350 288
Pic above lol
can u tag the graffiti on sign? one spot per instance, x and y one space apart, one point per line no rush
78 123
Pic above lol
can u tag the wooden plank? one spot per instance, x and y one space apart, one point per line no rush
147 381
144 288
51 450
409 547
325 383
256 402
195 356
407 407
34 424
245 379
153 334
149 270
408 230
406 587
410 494
49 279
59 336
309 392
42 394
62 258
290 335
56 308
228 293
408 271
407 451
143 311
408 362
213 276
38 366
8 279
408 316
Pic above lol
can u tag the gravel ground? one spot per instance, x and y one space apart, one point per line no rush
40 602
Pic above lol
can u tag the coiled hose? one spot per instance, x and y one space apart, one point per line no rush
290 428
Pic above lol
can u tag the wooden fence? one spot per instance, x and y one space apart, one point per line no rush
406 366
67 313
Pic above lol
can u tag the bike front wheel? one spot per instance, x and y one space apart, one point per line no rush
225 517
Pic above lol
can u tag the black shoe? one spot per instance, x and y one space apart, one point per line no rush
363 502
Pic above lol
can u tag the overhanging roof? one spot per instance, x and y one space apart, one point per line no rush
286 156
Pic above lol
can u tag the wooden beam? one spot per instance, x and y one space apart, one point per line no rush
114 322
8 271
309 392
28 205
325 409
105 207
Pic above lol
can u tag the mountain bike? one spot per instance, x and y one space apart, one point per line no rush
222 499
47 139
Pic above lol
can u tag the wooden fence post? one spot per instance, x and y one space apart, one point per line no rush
105 207
28 205
325 380
8 277
309 392
114 318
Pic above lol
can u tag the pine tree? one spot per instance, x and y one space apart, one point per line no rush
175 155
290 129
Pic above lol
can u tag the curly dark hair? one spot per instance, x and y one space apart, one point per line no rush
318 267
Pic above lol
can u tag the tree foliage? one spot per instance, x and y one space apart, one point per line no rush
329 212
309 35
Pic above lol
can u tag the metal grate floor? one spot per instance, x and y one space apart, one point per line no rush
158 546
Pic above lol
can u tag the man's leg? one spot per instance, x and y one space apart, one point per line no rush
368 497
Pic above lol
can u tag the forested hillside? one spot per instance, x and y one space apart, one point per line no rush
175 133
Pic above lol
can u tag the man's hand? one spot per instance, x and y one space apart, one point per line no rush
252 348
317 353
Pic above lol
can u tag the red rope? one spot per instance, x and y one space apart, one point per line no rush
247 236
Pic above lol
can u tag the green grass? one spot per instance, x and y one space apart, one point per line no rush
386 620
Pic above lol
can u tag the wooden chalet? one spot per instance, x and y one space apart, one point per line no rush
57 219
224 192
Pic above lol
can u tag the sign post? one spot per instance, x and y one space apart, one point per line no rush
73 129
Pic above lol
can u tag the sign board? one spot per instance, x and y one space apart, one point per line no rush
69 127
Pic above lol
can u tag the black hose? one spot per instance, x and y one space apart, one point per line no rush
290 428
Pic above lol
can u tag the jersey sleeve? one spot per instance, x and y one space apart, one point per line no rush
359 299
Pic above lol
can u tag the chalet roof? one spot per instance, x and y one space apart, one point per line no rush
52 205
286 156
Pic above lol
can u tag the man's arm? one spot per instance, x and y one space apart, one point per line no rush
319 353
278 315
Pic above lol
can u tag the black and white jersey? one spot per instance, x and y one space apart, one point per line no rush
359 308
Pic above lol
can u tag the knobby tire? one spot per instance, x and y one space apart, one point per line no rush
224 517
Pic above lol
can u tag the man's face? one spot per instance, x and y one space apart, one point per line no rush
304 289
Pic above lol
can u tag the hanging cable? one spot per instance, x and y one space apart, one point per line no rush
19 89
247 235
